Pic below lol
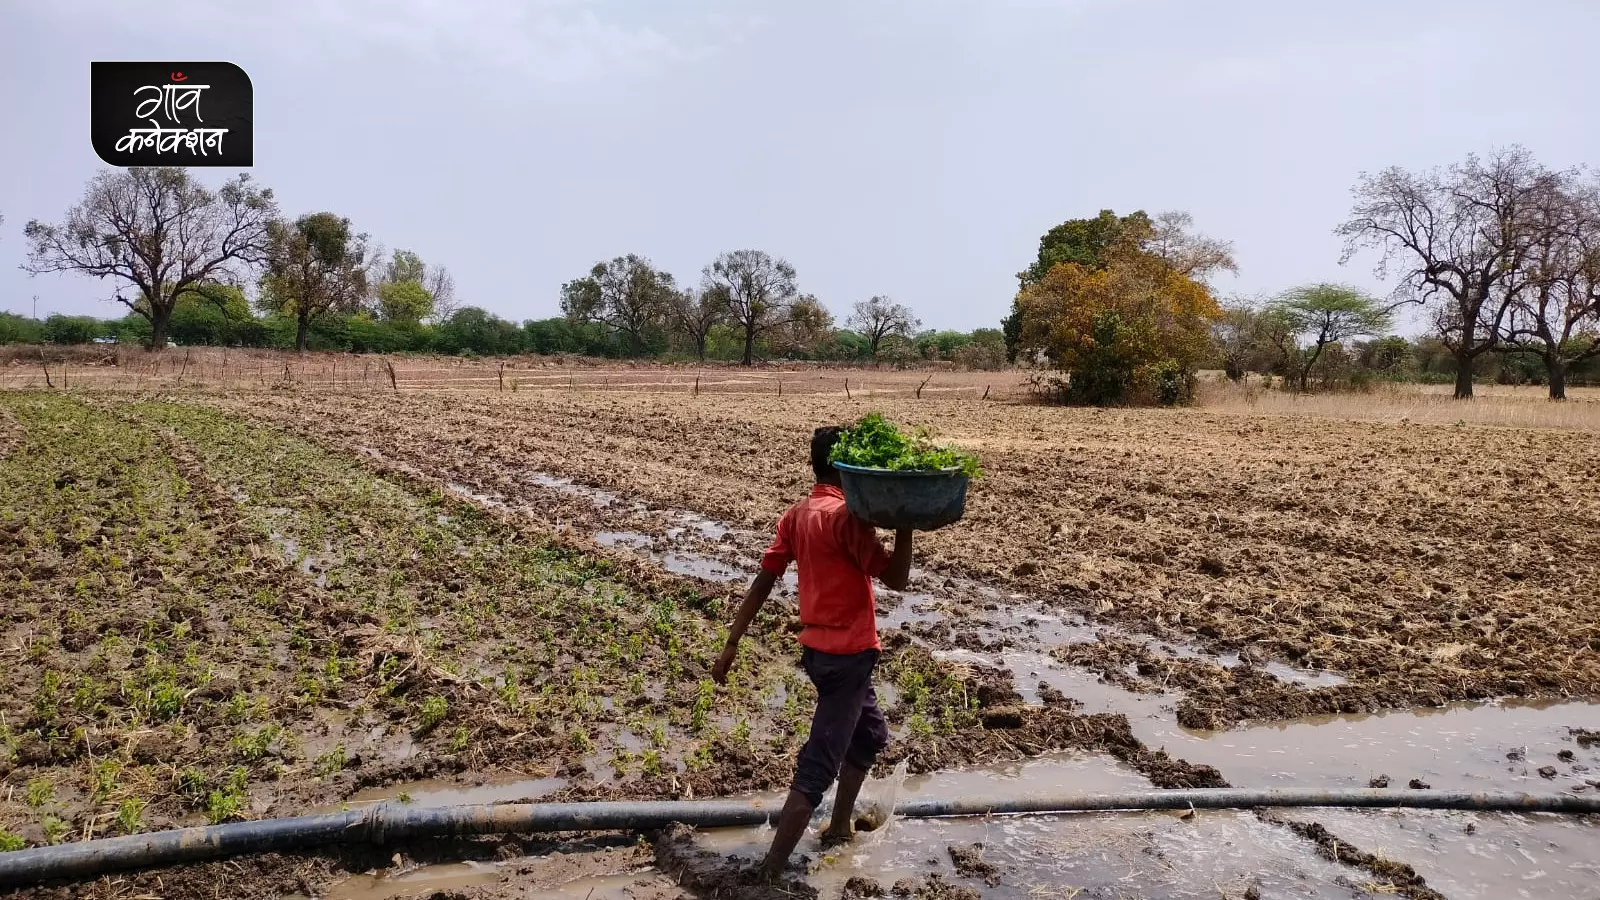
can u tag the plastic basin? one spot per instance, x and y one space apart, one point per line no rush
893 499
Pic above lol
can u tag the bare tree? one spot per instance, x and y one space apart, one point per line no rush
1191 255
314 266
158 231
1557 316
696 312
879 317
627 294
1460 237
442 286
761 292
1238 336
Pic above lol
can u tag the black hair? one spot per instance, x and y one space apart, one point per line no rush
822 441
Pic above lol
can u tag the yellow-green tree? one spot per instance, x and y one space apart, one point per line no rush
1131 331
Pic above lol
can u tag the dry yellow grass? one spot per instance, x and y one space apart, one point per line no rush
1513 407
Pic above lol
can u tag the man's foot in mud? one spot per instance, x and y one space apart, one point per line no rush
760 874
834 837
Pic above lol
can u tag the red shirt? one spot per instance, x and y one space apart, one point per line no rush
838 556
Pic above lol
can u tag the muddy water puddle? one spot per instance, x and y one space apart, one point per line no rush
423 881
1462 746
1468 856
1114 855
554 877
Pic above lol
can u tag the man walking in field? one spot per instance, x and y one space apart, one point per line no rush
838 555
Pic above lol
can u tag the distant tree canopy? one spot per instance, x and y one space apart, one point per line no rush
628 295
1323 315
1119 305
155 233
315 265
1502 250
879 317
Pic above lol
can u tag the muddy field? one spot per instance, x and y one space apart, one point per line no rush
1422 564
248 603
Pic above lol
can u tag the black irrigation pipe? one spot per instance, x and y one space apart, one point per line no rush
394 821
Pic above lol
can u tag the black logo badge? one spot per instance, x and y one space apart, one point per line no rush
171 114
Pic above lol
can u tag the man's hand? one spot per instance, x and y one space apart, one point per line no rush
719 672
760 589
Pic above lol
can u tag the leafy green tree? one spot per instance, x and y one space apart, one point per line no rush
477 331
405 305
158 232
314 266
404 302
1167 242
63 329
1087 242
218 315
1325 314
850 344
1011 328
1389 356
940 344
1122 313
695 313
17 329
627 294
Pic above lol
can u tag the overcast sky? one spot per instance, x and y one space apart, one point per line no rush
914 148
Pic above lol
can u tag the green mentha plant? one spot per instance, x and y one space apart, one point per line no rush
876 443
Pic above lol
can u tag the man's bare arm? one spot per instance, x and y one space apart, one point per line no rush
760 590
898 573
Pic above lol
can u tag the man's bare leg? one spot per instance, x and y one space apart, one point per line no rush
791 827
844 804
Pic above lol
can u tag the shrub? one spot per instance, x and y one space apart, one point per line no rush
1114 331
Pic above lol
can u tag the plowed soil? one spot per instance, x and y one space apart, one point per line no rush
1423 563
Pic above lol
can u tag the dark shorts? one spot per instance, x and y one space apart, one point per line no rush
847 726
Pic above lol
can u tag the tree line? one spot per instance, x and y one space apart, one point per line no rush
180 257
1501 252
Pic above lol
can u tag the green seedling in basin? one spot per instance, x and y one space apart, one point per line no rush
876 443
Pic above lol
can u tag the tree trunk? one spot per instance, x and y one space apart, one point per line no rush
158 330
1556 368
1463 376
1466 353
749 346
302 325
